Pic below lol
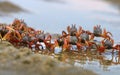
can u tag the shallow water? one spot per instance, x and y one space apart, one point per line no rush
105 64
54 15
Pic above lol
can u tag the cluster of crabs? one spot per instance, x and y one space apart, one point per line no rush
76 39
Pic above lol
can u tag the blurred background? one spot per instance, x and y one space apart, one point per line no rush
54 15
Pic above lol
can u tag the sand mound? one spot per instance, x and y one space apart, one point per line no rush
22 61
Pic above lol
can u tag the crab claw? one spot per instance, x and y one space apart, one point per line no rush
68 29
16 21
10 28
101 49
108 43
88 32
64 34
6 36
92 37
13 33
49 37
18 35
91 45
105 34
79 32
0 36
65 45
79 46
116 47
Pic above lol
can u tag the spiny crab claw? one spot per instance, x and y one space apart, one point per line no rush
48 38
97 31
65 45
68 29
9 28
16 21
64 34
72 30
106 34
101 49
79 46
79 32
116 47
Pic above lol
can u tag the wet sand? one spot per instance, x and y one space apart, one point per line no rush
22 61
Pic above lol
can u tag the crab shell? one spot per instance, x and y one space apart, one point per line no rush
73 40
72 30
84 37
97 31
108 44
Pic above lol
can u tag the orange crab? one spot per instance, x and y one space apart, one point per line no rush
98 32
106 44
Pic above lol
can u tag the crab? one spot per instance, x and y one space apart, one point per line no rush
29 40
98 32
3 31
21 26
11 31
58 46
71 43
85 37
25 40
69 40
41 37
74 35
64 34
73 40
10 34
13 39
72 30
49 43
106 44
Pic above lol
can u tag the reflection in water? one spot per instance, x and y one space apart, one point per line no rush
99 63
7 7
